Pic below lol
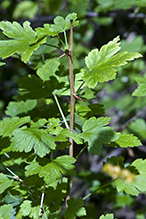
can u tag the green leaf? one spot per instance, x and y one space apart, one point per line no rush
128 140
23 40
138 128
25 9
63 135
111 5
2 63
4 183
141 90
95 133
32 87
53 170
135 183
16 108
75 208
55 196
60 25
8 125
107 216
25 207
27 139
5 211
48 69
102 65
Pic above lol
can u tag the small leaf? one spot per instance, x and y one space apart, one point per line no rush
16 108
48 69
61 24
141 90
2 63
101 65
8 125
25 208
75 208
4 183
107 216
128 140
27 139
5 211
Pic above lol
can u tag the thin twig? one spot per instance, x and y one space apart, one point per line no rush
101 187
60 110
72 104
42 200
20 180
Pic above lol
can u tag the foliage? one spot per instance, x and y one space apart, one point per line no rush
38 172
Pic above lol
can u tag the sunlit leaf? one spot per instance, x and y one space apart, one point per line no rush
27 139
4 182
23 40
54 169
6 211
102 65
16 108
8 125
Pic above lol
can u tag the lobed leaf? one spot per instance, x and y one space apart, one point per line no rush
60 25
6 211
23 40
102 65
141 90
136 183
4 183
53 170
27 139
16 108
32 87
8 125
128 140
48 69
75 208
95 133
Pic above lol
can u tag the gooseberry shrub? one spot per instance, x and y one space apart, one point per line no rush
53 115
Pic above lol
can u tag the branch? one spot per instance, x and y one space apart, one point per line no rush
72 104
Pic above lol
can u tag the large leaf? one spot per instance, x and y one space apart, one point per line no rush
53 170
27 139
4 183
8 125
141 90
32 87
16 108
102 65
23 40
75 208
95 133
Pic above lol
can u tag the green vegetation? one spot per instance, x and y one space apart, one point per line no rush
72 109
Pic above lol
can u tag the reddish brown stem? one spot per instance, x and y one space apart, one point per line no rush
72 103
